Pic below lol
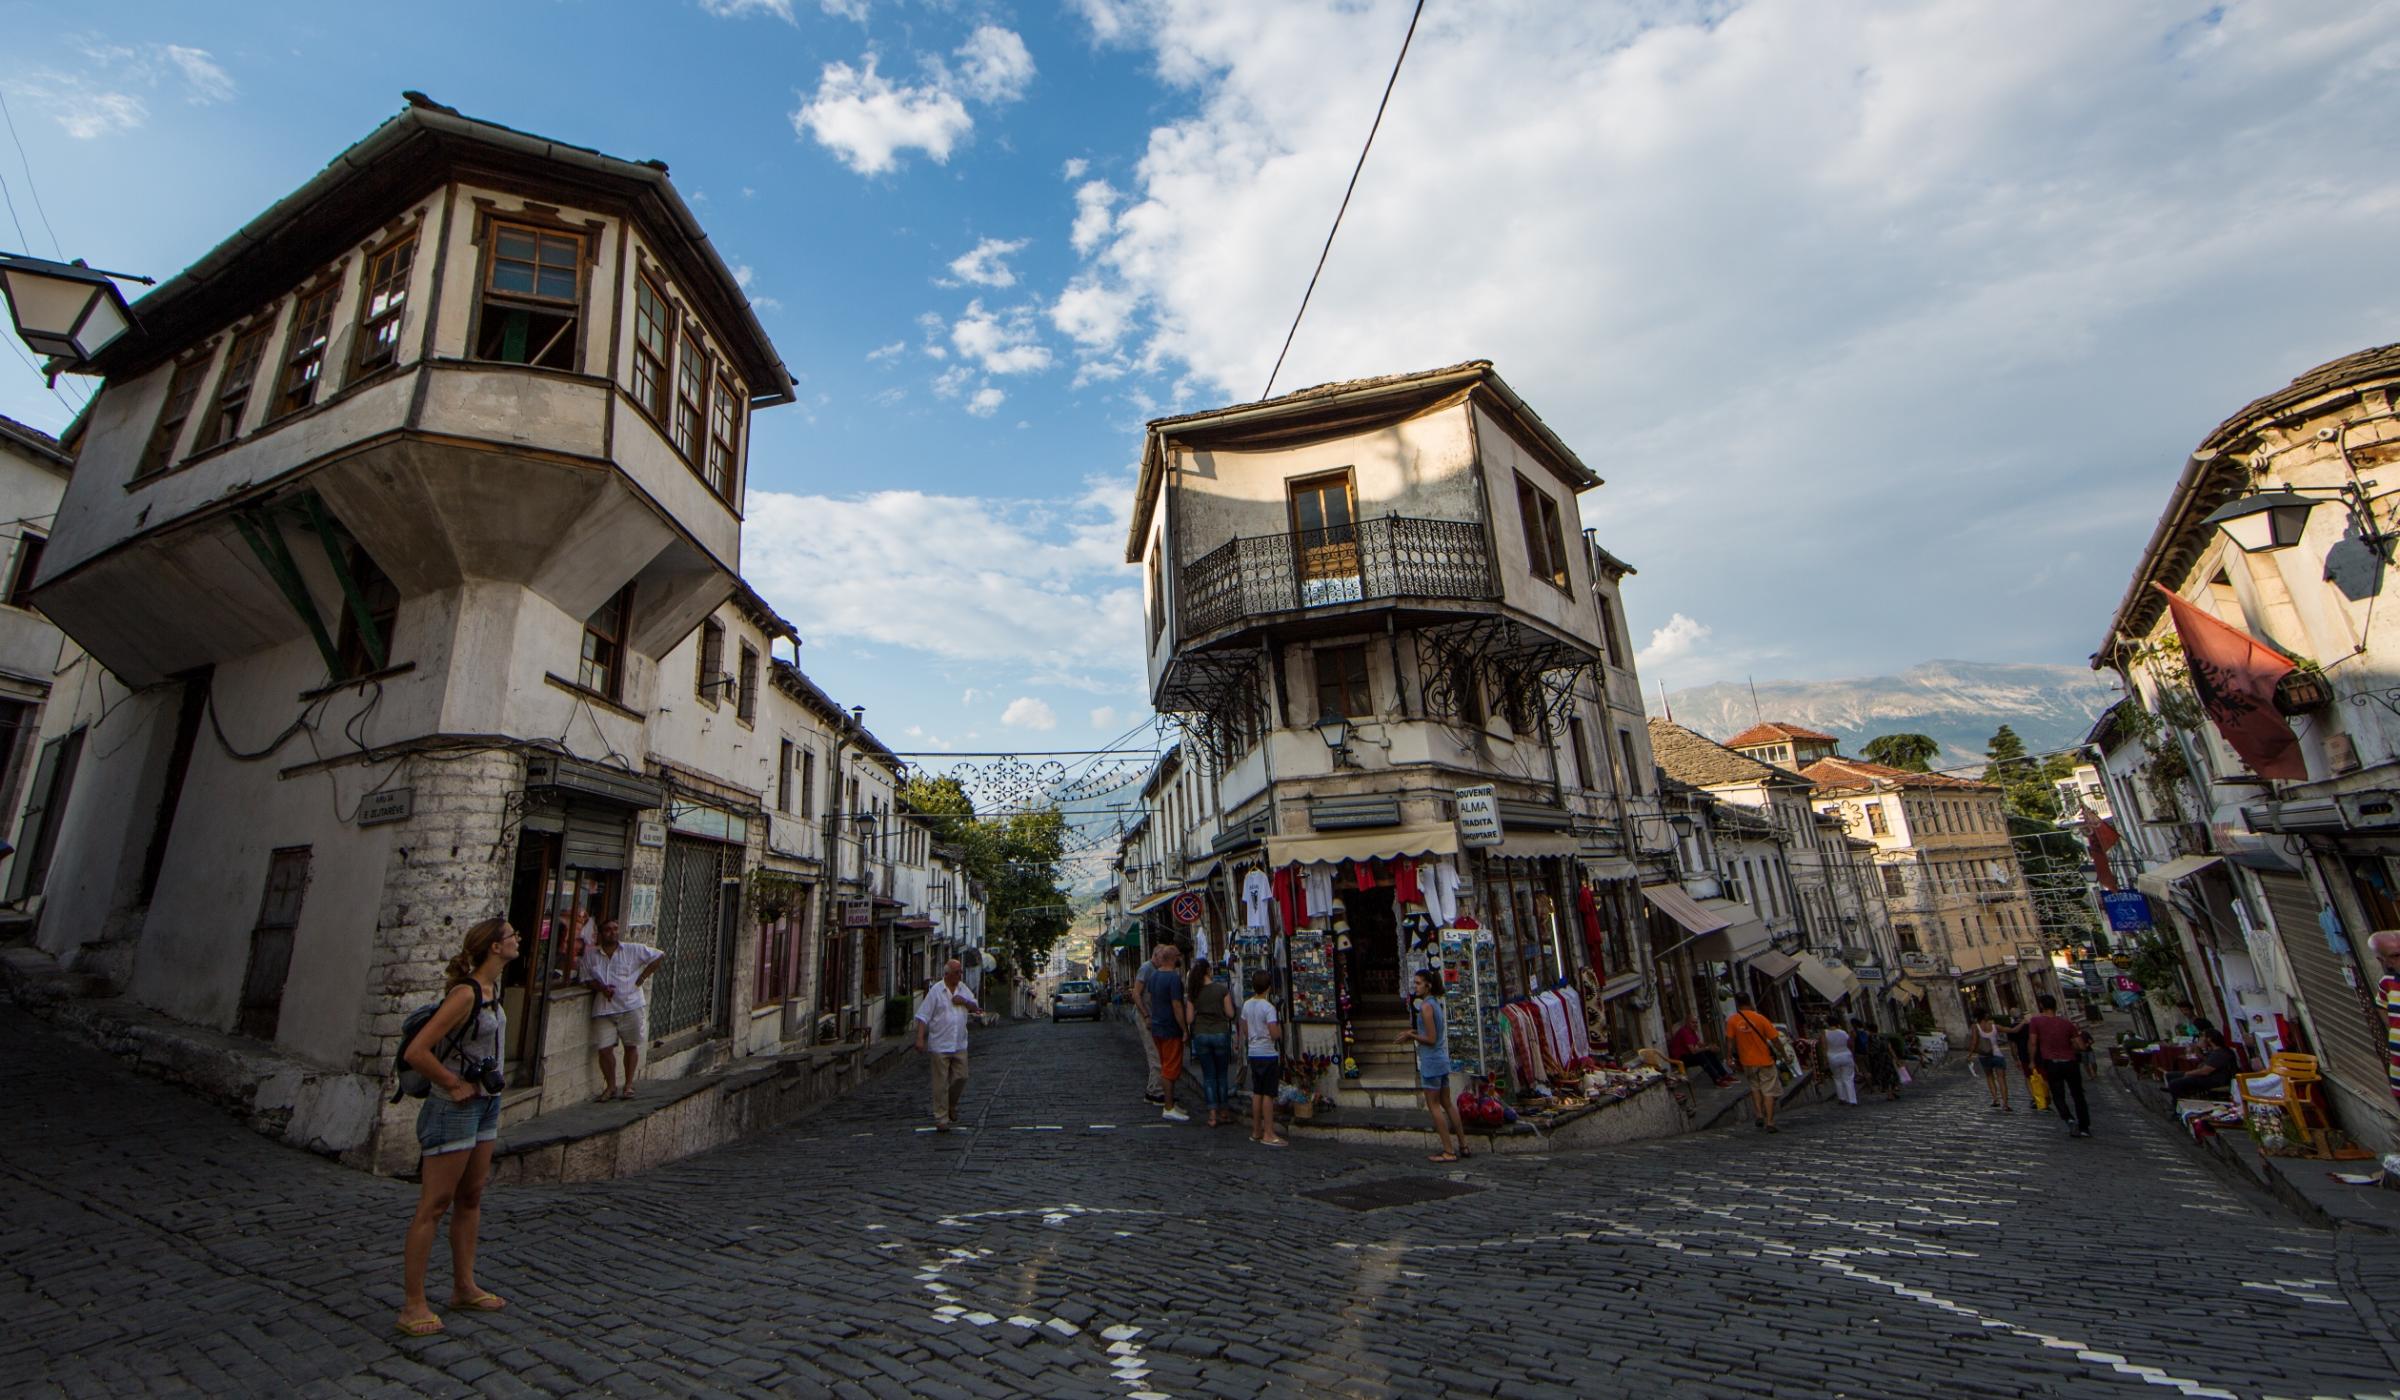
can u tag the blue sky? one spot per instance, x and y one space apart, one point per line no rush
1888 325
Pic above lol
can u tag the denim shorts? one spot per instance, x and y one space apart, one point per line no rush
1435 1082
444 1126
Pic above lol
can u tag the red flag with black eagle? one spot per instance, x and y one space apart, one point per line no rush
2235 675
2101 836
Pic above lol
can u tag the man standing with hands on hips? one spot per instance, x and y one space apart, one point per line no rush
942 1034
620 1009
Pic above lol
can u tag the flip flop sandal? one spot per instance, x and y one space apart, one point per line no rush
481 1302
422 1327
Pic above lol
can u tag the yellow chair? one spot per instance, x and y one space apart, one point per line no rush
2300 1097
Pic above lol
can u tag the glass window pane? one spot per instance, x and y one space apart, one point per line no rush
558 283
512 277
515 243
560 252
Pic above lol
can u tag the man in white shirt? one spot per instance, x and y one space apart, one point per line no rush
615 971
942 1034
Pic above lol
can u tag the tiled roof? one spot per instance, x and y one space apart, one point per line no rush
1703 762
1839 774
2376 362
1327 391
1774 733
33 439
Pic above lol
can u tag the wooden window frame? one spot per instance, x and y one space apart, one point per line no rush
725 438
237 382
664 358
183 395
1634 787
350 648
394 312
784 763
745 698
1330 558
1582 751
1545 541
302 369
1359 706
489 297
21 570
711 661
695 371
1158 593
808 783
622 601
1608 629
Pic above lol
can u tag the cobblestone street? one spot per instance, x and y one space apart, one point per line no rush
1071 1245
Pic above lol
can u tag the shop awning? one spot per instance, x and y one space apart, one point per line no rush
2155 883
1601 869
1831 982
1671 901
1745 935
1907 991
1772 962
1129 936
1720 930
1383 844
1980 975
1150 902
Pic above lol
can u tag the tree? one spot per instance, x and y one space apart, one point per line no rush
2029 785
1016 860
1913 752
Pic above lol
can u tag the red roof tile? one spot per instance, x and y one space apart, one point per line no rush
1837 774
1774 733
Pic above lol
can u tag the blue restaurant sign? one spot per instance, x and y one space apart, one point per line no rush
2128 912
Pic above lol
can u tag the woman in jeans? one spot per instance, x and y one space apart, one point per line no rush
1212 1040
459 1124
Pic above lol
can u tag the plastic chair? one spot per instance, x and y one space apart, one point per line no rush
2291 1083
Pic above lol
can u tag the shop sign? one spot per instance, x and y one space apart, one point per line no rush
2128 911
389 805
857 914
652 834
1187 907
693 819
1479 816
641 906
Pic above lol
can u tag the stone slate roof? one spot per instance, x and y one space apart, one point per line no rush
2375 362
1775 733
34 440
1839 774
1695 758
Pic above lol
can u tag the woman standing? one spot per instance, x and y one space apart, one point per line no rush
1989 1059
1878 1057
1212 1039
1429 1031
1841 1063
459 1053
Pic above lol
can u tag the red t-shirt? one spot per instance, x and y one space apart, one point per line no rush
2053 1037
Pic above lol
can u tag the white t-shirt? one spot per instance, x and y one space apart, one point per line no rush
620 972
944 1019
1258 1020
1254 900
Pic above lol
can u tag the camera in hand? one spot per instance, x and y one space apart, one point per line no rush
486 1072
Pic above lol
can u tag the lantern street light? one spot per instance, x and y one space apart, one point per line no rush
67 311
2266 521
1335 731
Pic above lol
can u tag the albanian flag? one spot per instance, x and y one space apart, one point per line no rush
2102 837
2235 675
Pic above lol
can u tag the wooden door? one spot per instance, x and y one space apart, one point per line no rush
271 943
1324 512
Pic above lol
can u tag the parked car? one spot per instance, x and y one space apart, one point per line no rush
1076 1001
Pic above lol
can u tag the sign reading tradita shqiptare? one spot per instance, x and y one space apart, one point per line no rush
1479 816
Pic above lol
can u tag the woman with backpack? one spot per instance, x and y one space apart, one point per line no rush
459 1053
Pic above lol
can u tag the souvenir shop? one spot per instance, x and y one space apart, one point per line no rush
1701 947
1521 943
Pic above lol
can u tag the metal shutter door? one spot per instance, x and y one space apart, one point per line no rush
595 838
2338 1021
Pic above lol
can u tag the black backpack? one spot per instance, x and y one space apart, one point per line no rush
410 1084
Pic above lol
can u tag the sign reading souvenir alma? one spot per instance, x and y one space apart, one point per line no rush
1479 816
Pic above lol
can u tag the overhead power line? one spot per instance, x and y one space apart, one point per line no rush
1414 16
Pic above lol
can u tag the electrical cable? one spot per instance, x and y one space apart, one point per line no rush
1389 83
31 188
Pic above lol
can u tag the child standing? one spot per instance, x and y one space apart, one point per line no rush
1263 1039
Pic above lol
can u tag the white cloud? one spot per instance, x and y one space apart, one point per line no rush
1074 168
1093 201
1104 716
845 9
205 81
866 120
986 264
737 9
1676 641
742 277
1026 712
1001 342
986 401
1093 314
2006 226
887 352
950 383
994 65
87 115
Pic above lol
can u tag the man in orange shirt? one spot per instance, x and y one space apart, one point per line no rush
1752 1039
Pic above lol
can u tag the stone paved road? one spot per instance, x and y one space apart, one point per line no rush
1071 1246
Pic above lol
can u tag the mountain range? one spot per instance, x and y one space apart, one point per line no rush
1959 703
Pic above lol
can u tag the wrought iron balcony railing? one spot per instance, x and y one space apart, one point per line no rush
1388 557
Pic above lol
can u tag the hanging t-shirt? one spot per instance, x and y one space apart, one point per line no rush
1441 892
1255 893
1317 880
1404 883
1290 895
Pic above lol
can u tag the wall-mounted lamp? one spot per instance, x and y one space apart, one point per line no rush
1335 731
2263 521
68 311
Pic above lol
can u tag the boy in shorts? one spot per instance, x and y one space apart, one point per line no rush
1263 1036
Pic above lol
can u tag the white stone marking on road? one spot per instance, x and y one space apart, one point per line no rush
879 1227
1121 1332
981 1319
1062 1327
1104 1127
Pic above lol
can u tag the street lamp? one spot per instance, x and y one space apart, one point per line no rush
67 311
2267 520
1335 731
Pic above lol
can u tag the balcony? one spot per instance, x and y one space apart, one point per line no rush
1370 561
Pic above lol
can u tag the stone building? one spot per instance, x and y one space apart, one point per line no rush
1961 915
2271 885
1361 598
34 468
401 566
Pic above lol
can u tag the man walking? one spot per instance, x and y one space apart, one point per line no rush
1753 1039
942 1034
1169 1015
1152 1091
2058 1053
620 1008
